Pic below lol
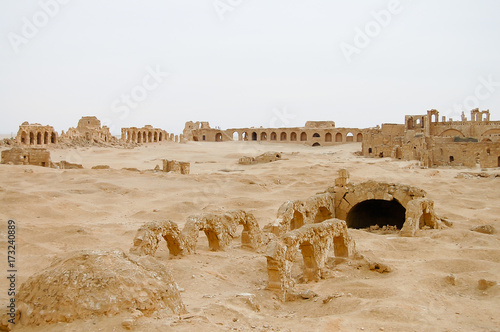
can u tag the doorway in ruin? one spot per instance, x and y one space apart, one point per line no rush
236 136
218 137
338 137
322 215
283 136
263 136
349 137
328 137
376 212
316 144
273 136
254 136
303 137
293 136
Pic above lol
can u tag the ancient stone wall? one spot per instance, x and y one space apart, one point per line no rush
88 129
27 156
324 134
146 134
175 166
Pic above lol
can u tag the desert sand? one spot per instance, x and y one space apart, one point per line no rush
59 211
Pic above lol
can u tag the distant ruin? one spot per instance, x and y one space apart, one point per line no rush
27 156
89 128
36 135
146 134
438 143
314 133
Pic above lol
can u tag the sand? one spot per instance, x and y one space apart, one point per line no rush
59 211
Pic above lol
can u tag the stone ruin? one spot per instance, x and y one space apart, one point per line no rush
266 157
36 135
220 230
93 283
27 156
146 134
315 242
361 206
175 166
88 130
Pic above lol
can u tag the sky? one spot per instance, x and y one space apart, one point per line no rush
243 63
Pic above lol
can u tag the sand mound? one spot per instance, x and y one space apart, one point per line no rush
93 283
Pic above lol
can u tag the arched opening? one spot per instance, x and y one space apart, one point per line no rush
303 137
155 137
134 137
376 212
150 137
213 240
452 159
359 137
218 137
283 136
24 137
32 138
263 136
236 136
310 264
160 137
245 136
293 136
254 136
349 137
204 137
195 138
370 150
273 136
340 248
46 138
316 144
322 214
139 137
297 220
144 137
338 137
328 137
316 135
39 138
409 123
488 151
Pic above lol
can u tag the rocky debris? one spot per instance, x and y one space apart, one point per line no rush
63 164
131 169
451 279
220 230
263 158
474 175
386 229
100 167
92 283
315 242
485 229
484 284
251 300
419 213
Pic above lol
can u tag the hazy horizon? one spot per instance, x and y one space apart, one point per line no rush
245 63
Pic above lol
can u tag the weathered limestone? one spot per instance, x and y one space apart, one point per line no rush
434 143
295 214
419 213
175 166
315 242
266 157
88 129
220 230
93 283
27 156
36 134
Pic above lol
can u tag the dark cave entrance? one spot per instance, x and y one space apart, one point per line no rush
376 212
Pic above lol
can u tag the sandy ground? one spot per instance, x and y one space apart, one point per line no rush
58 211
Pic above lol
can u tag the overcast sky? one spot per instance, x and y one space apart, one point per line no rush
242 63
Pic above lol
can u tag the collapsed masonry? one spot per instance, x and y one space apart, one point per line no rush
175 166
315 242
361 206
34 157
94 283
266 157
88 130
220 230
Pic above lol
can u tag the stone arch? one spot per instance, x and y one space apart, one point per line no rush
263 136
297 220
338 137
376 212
245 136
316 135
322 214
155 137
160 137
359 137
349 137
316 144
273 136
236 136
293 136
218 138
144 137
38 138
24 138
452 133
139 137
283 136
150 137
254 136
46 137
303 137
328 137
